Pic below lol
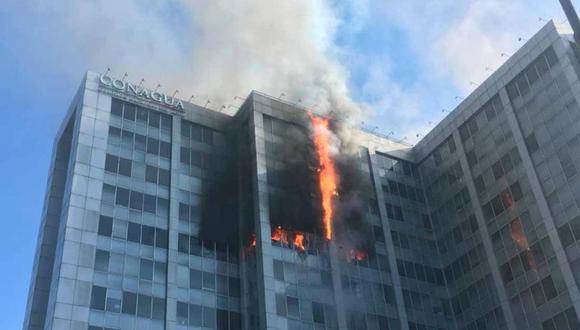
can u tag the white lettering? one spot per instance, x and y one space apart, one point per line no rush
141 92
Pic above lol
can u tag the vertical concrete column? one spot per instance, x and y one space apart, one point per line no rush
485 239
265 272
541 201
395 277
336 284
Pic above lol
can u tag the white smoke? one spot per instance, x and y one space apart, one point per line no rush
215 50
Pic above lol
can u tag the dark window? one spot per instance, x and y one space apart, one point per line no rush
165 149
195 315
194 279
129 112
151 174
105 226
183 243
293 307
471 158
479 184
111 163
317 312
208 281
185 156
134 232
150 204
140 142
538 294
516 191
532 143
153 146
278 270
158 308
506 273
102 260
164 177
161 238
154 119
136 200
142 115
98 295
122 197
549 288
117 108
146 269
147 235
566 235
124 166
129 303
379 235
222 319
497 170
195 246
144 306
209 317
182 311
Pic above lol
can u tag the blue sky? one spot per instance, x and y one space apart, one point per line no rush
402 60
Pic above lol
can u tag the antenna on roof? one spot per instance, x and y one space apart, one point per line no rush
191 98
572 18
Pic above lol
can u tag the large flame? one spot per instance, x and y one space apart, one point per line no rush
327 173
289 237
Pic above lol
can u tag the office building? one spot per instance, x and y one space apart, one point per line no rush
161 214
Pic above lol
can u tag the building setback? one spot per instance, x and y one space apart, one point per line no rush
161 214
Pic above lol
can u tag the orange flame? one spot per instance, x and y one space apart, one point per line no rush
357 255
327 173
289 237
299 242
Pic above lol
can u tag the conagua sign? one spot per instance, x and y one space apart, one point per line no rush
141 92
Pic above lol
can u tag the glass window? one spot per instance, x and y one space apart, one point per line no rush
538 294
154 119
194 279
549 288
129 112
111 163
182 311
136 200
146 269
278 270
158 308
566 235
151 174
147 235
129 303
150 204
165 149
293 307
102 260
317 312
506 272
164 177
116 107
516 191
153 146
140 142
497 170
161 238
195 315
222 319
134 232
124 166
98 295
113 305
208 281
532 143
183 243
122 197
105 226
209 317
142 115
166 122
144 306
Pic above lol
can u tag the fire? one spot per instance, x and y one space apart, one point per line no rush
288 237
299 242
357 255
251 246
327 173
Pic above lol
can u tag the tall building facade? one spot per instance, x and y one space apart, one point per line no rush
161 214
